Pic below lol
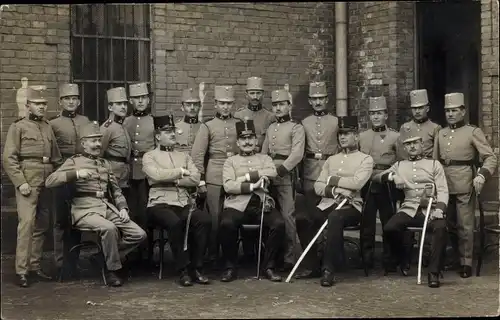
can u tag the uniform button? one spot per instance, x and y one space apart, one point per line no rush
452 131
273 143
319 133
319 141
137 133
319 150
415 182
138 118
136 142
228 146
274 137
449 143
418 129
414 176
382 141
249 161
414 163
345 155
414 169
340 169
448 150
135 159
342 161
275 130
319 125
227 137
137 126
416 190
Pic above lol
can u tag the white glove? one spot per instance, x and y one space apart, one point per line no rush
124 215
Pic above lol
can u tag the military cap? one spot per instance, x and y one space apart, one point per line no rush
317 89
454 100
138 89
90 130
280 95
377 104
68 89
348 123
410 138
190 95
164 123
224 93
255 83
117 94
245 128
418 98
36 94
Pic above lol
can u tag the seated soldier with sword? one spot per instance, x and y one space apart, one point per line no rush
171 174
412 176
339 183
245 179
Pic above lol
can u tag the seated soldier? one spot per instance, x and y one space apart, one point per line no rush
342 175
98 203
171 174
411 176
245 179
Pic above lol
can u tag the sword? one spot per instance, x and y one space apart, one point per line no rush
192 202
312 242
260 234
422 237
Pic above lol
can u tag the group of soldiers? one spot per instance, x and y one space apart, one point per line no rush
203 180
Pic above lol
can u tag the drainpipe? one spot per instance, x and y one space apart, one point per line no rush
341 57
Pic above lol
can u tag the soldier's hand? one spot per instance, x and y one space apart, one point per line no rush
478 183
185 172
437 214
84 174
257 185
344 192
124 215
25 189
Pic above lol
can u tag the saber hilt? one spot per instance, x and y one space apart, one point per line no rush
192 203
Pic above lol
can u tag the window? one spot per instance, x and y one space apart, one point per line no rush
110 47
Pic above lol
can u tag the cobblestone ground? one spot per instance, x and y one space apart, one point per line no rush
146 297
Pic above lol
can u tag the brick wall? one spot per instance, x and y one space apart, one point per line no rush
224 44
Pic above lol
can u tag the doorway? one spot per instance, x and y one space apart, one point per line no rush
449 44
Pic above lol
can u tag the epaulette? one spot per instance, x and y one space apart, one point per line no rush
391 129
209 119
19 119
471 125
76 155
240 109
54 117
107 123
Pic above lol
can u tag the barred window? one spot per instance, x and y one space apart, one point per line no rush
110 47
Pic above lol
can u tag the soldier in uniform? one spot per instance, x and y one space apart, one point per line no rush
412 175
343 174
321 140
420 125
380 142
116 144
171 174
98 203
139 126
66 126
458 147
215 141
284 142
30 155
246 179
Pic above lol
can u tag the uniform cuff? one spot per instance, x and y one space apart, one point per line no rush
254 176
329 191
245 187
71 175
202 177
485 173
282 171
121 205
385 177
333 181
442 206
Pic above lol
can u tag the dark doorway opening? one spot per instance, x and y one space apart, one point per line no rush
449 44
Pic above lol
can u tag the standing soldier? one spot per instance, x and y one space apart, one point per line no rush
29 156
140 129
321 130
380 142
66 126
420 125
215 141
116 145
284 143
458 147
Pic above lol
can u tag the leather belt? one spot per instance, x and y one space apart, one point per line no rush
115 158
449 162
163 185
91 194
275 156
317 156
44 160
381 166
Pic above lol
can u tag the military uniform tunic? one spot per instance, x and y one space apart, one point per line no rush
67 126
141 132
116 148
261 117
187 128
30 155
426 129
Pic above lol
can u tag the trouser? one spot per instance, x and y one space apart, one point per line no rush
460 219
285 200
214 202
379 198
398 224
34 221
308 225
231 222
64 236
137 200
118 238
174 219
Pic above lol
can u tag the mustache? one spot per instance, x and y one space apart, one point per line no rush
247 144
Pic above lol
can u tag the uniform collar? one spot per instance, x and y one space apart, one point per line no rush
320 113
191 120
220 116
118 119
254 108
88 155
283 119
163 148
379 129
68 114
35 118
457 125
421 120
138 113
350 150
246 154
415 158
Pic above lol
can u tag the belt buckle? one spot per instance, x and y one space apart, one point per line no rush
318 156
45 160
99 194
229 154
136 153
447 162
272 155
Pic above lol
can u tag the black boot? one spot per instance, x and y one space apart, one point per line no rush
465 271
272 276
199 277
433 280
40 275
328 279
185 279
22 281
228 275
308 274
113 280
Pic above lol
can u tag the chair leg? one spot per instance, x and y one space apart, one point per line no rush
161 248
103 266
151 245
